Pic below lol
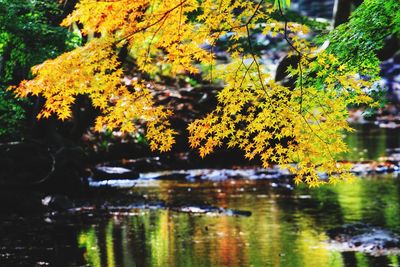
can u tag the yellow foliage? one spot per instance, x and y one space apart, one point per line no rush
254 113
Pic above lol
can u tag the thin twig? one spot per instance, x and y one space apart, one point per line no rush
254 58
300 54
286 36
164 15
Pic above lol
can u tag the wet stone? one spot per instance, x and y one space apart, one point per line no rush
211 211
364 238
57 202
110 173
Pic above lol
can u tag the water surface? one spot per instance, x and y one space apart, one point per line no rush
287 227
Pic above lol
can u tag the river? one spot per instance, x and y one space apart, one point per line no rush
214 222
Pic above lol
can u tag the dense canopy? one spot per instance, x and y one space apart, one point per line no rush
279 124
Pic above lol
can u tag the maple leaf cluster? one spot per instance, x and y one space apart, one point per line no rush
281 125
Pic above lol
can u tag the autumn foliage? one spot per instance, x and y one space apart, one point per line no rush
280 125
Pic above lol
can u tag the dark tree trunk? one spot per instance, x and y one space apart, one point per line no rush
68 6
342 10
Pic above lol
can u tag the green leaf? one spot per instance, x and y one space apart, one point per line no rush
282 3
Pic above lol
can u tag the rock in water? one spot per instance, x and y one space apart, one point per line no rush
111 173
57 202
364 238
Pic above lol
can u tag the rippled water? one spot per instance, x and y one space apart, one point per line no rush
285 228
288 226
371 142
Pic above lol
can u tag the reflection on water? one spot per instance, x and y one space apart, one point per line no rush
287 228
369 142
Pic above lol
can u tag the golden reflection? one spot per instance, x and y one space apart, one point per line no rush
283 230
110 244
313 248
350 197
88 241
160 240
228 242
